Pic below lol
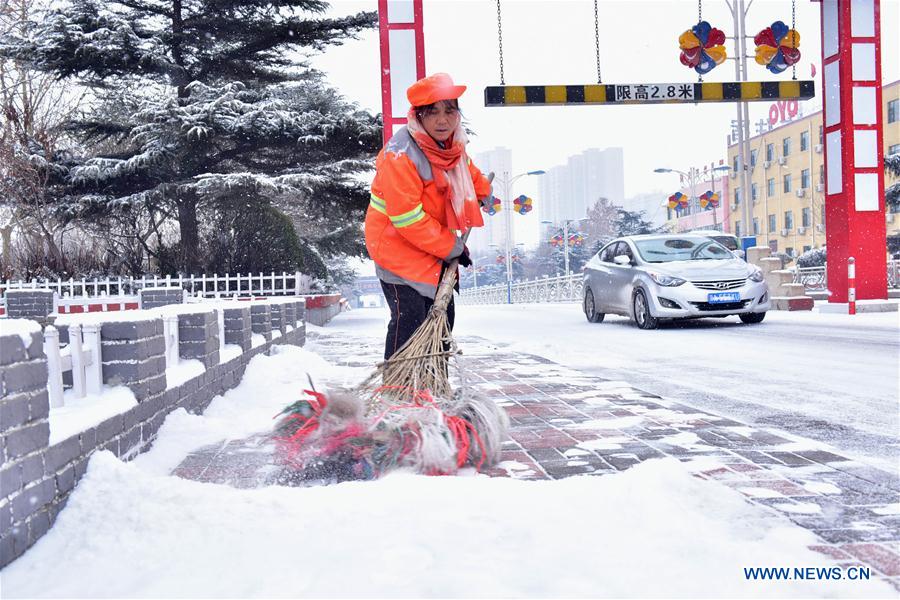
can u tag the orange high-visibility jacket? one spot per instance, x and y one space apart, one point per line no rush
406 223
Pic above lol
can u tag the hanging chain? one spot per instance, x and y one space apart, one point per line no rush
794 35
699 20
597 39
500 42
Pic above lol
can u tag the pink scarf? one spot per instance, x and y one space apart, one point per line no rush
451 166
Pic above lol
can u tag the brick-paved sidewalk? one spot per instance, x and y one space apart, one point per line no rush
567 423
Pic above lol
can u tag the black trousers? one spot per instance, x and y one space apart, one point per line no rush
409 309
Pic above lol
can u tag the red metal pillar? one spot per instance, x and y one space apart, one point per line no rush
402 57
854 147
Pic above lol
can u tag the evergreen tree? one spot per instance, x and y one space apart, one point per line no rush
892 193
199 101
632 223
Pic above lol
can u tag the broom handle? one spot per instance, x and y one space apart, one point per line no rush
445 289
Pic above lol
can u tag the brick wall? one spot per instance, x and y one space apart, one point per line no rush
155 297
29 304
36 478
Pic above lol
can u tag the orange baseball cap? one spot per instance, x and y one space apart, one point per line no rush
433 88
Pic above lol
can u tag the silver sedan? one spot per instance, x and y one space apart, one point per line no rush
654 277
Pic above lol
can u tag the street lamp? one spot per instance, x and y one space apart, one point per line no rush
693 177
566 238
507 182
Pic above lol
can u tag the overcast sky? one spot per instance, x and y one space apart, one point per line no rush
552 42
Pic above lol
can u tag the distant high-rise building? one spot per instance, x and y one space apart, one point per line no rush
568 191
498 160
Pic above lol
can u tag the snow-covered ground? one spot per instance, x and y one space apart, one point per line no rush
131 530
831 378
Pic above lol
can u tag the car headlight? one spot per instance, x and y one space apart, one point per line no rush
757 276
666 280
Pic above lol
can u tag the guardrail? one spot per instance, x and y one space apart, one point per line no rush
815 279
546 289
571 288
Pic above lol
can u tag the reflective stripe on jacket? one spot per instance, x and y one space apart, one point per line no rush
406 223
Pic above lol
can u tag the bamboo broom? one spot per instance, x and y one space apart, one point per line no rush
422 363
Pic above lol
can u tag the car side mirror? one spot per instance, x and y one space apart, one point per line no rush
622 260
738 253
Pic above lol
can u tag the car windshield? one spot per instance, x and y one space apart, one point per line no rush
726 240
660 250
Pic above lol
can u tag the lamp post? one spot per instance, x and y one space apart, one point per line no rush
507 182
693 177
690 175
565 239
712 184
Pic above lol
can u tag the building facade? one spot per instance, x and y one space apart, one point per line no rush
787 180
481 240
698 182
568 191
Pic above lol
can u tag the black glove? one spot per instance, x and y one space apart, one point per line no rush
464 259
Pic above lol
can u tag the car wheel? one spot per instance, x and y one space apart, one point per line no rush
590 308
751 318
642 316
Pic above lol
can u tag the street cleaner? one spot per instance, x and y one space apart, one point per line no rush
425 197
425 190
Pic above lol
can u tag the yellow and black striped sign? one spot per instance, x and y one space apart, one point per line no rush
647 93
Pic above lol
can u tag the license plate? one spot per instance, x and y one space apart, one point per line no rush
723 297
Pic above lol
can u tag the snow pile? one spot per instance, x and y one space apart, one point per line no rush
651 531
80 414
98 318
269 384
173 310
20 327
187 368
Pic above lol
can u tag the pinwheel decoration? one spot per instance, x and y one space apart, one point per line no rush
678 201
709 199
492 206
777 47
701 47
522 205
557 240
576 239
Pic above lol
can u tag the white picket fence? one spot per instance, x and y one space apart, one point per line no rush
212 286
121 293
81 356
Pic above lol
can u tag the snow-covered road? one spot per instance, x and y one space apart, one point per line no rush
832 378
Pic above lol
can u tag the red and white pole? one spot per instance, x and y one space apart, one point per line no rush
851 285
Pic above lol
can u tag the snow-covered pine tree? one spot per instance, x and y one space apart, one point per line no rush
892 192
199 100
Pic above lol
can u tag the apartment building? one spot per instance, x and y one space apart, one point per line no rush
787 181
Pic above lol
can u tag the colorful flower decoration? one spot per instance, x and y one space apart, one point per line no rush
678 201
576 239
522 204
777 47
500 259
493 206
701 47
709 199
557 240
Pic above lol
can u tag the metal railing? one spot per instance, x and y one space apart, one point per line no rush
571 288
547 289
815 279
